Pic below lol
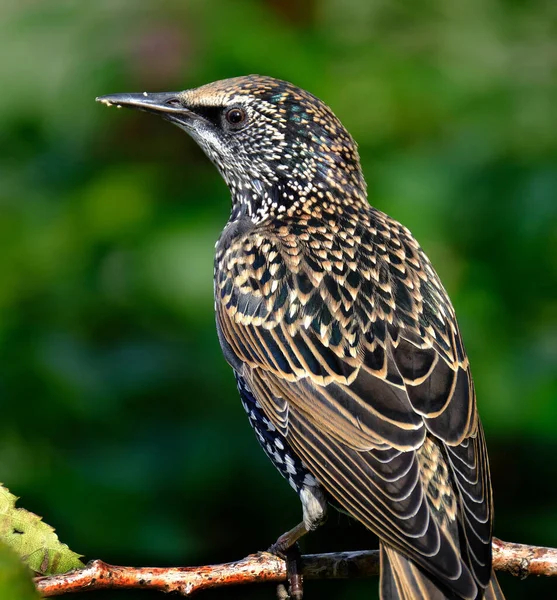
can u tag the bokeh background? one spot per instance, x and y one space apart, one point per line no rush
119 419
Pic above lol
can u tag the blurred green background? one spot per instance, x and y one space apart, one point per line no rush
120 422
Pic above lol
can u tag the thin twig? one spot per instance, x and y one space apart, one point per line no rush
518 559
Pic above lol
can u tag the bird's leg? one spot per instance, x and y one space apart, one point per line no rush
314 506
295 589
288 540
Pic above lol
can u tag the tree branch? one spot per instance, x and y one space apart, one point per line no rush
517 559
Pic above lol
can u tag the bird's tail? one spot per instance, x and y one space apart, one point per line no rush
401 579
493 591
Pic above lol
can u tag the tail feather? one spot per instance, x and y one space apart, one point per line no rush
401 579
493 591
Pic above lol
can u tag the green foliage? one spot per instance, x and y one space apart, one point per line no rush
15 579
119 419
32 539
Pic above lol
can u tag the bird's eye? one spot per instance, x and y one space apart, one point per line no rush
236 116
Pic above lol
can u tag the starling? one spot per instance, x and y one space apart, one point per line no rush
343 341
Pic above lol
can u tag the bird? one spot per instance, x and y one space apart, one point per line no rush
343 341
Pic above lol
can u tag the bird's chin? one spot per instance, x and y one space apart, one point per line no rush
206 138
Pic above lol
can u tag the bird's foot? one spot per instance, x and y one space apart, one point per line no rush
287 540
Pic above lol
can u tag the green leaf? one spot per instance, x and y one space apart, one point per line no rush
15 579
34 541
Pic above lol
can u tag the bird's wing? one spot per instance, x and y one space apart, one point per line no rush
354 354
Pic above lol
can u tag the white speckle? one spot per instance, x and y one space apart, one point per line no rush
269 425
145 94
290 468
310 480
279 444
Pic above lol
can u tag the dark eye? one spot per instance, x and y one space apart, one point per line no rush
235 116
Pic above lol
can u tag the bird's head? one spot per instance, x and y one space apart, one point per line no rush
275 145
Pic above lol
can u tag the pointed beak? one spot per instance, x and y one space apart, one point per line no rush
165 104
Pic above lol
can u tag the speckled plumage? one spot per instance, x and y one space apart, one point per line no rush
343 340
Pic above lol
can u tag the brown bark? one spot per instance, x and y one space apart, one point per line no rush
518 559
